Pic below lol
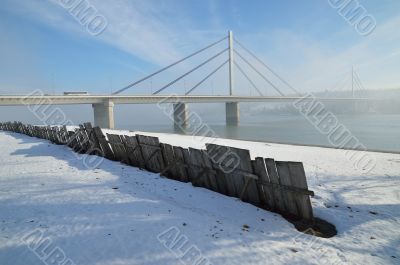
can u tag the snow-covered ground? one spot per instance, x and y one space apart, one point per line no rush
116 214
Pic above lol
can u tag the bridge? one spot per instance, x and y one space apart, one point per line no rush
103 105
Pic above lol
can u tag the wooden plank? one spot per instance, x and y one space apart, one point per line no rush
284 176
122 149
222 183
266 194
84 140
113 145
78 146
170 161
64 134
151 152
57 135
188 160
225 184
71 138
211 173
196 169
94 148
181 170
88 144
77 141
37 132
48 133
53 133
41 132
298 180
53 137
279 204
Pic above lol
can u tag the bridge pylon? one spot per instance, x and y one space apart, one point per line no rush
104 114
231 63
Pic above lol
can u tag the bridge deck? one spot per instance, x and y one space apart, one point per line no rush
135 99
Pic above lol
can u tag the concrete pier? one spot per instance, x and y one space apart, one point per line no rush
232 113
180 116
104 114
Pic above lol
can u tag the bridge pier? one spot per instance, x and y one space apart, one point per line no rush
104 114
180 116
232 113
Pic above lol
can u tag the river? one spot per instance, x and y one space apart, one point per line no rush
377 132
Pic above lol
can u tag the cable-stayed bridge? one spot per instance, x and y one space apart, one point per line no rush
103 105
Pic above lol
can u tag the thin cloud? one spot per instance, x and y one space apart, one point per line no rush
160 33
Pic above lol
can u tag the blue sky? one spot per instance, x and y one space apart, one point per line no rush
307 42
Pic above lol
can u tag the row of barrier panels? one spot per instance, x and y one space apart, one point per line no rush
277 186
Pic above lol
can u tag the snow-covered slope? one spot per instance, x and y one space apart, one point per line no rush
116 214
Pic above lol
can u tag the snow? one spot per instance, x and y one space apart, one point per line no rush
116 214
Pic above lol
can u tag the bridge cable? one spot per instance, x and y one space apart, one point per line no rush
359 81
266 66
207 77
169 66
248 78
258 72
357 84
191 71
361 86
339 85
344 85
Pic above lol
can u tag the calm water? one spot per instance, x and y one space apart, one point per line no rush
376 131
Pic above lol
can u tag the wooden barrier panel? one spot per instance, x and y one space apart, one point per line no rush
200 169
133 151
151 152
236 165
118 148
176 167
105 147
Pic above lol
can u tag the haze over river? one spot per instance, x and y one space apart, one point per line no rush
380 132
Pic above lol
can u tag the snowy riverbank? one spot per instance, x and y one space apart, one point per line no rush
117 214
